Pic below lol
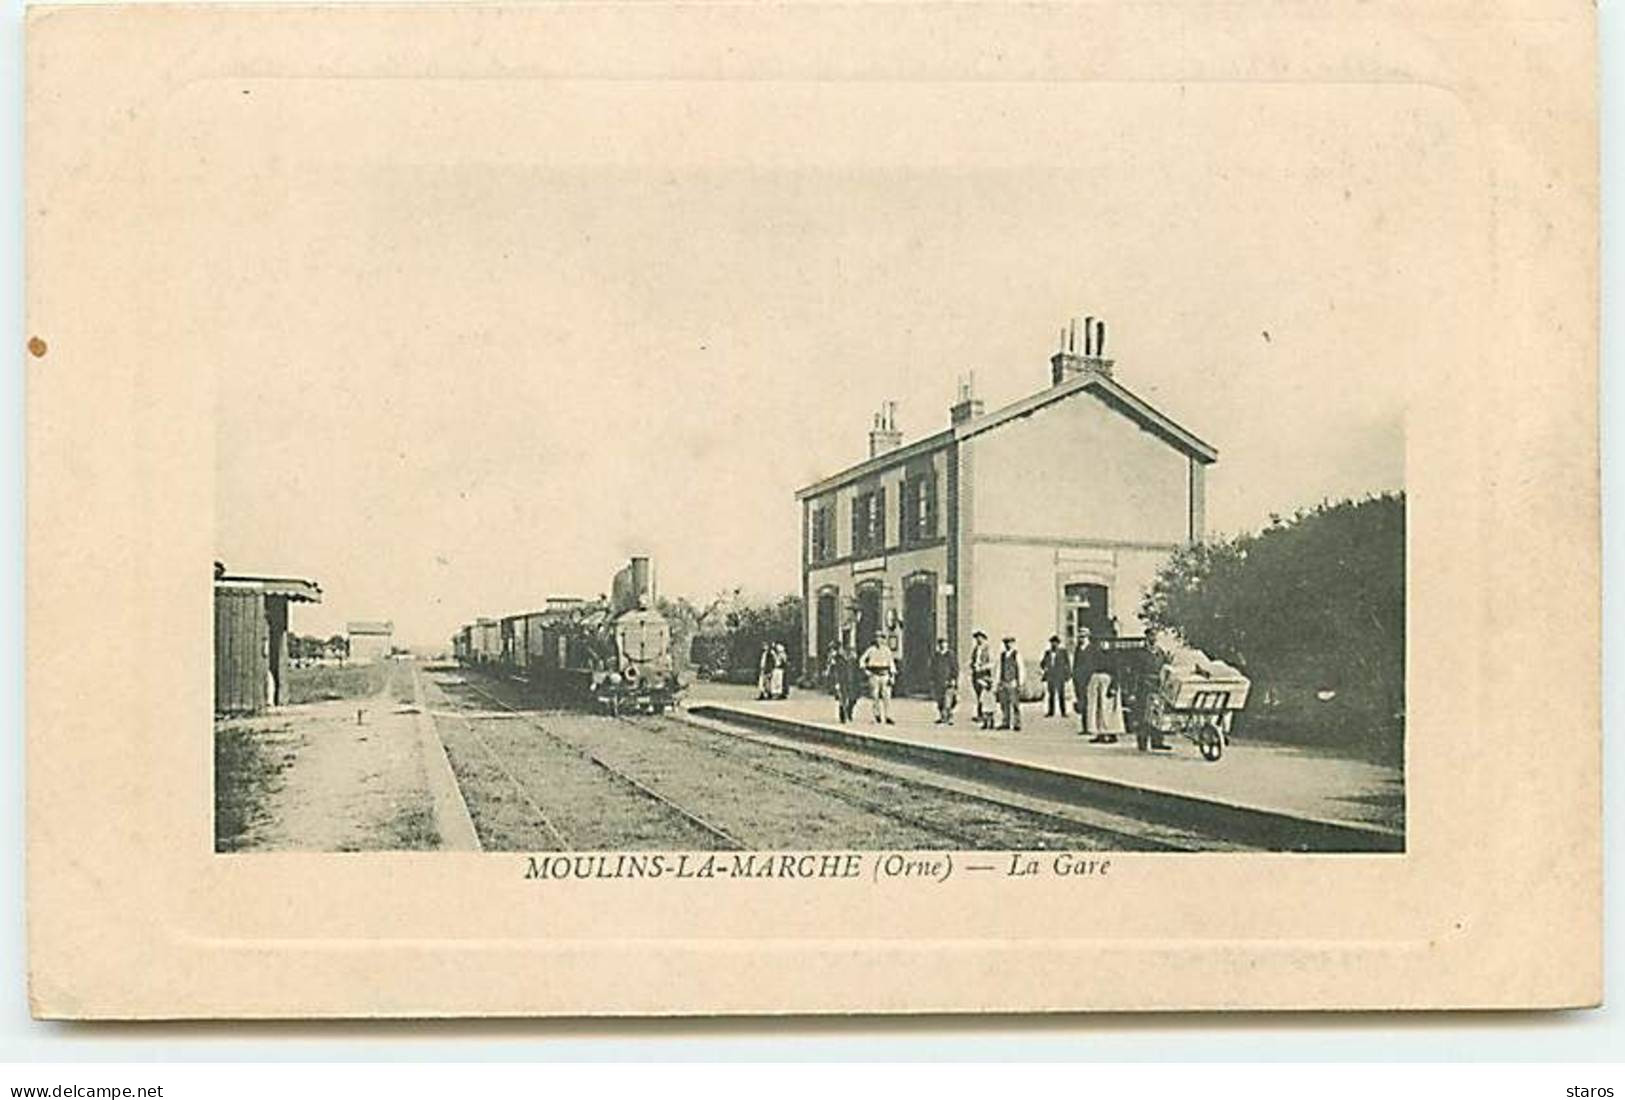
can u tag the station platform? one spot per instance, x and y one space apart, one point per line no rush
1283 796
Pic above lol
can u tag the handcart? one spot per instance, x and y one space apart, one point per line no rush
1195 697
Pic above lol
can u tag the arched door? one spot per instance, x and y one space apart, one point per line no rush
919 631
826 624
869 603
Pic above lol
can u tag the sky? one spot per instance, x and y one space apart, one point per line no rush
477 345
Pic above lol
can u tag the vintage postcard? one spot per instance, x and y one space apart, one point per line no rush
697 509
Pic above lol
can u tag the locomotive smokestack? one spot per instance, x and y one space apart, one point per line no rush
643 588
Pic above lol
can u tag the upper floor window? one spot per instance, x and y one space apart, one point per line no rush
869 522
919 508
822 532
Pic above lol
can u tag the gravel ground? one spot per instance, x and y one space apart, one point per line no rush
532 766
311 778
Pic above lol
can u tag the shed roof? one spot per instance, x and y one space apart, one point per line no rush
292 588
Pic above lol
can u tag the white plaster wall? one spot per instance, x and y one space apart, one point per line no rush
1017 588
1079 469
1015 594
1136 569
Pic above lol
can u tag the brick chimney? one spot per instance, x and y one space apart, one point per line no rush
883 434
969 405
1075 358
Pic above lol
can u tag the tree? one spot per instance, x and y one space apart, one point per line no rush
684 621
1316 602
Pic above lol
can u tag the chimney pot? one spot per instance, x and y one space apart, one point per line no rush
969 405
1068 363
884 436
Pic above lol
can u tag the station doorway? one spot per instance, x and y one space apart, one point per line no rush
826 623
919 632
1086 605
869 601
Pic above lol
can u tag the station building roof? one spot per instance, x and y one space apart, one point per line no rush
1102 386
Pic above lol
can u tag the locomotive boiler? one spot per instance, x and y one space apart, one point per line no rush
615 651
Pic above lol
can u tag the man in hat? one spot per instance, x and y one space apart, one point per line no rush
845 677
880 663
1011 676
981 679
945 682
1056 669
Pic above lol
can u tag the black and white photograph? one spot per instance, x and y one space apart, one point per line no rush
745 494
712 510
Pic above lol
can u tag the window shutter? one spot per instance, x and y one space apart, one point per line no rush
929 486
880 518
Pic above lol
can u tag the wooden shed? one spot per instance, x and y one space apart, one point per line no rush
251 639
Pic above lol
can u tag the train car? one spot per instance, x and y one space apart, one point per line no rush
461 646
616 652
512 639
487 642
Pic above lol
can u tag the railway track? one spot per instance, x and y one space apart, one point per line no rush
619 775
1047 822
523 791
878 807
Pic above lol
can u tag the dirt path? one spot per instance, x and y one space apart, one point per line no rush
344 775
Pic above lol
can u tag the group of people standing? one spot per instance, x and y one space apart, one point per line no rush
1090 671
996 679
849 674
773 672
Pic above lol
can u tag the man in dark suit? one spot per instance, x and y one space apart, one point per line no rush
945 682
1091 677
1056 669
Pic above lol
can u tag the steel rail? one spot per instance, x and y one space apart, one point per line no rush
693 818
855 801
524 791
1057 822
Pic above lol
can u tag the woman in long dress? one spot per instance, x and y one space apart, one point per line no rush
777 688
764 672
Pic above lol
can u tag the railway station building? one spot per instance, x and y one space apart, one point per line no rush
251 638
1037 518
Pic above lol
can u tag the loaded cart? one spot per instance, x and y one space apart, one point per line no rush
1195 697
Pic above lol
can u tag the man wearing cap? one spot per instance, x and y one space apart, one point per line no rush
845 677
945 682
881 664
1011 677
1056 669
981 679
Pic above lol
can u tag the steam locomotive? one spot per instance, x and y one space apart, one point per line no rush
613 652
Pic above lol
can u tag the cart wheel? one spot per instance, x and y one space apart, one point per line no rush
1211 742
